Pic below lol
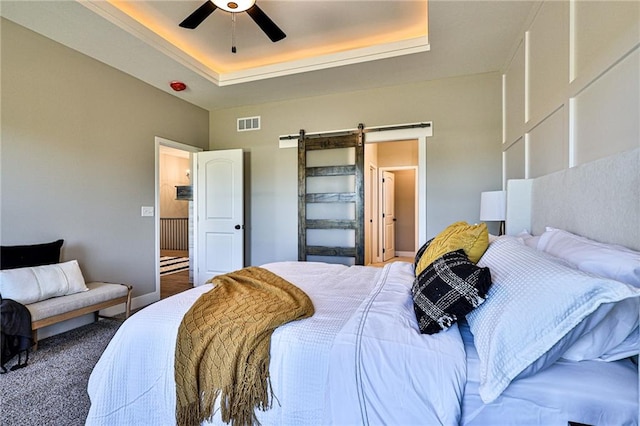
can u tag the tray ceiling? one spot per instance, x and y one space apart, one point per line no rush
331 46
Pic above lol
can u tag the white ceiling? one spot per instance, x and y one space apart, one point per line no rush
331 46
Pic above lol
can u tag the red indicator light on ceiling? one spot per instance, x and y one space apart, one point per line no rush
178 86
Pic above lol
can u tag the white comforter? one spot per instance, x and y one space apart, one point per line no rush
359 360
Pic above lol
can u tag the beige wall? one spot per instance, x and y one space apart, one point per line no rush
572 91
398 153
173 172
463 156
78 156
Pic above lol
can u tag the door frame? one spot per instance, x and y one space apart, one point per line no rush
371 253
159 141
420 134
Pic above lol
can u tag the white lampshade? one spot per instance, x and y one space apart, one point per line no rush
493 206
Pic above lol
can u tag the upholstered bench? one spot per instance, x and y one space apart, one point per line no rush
52 291
99 296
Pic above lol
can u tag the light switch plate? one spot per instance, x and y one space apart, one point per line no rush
147 211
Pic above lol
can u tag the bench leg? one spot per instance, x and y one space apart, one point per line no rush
34 336
127 305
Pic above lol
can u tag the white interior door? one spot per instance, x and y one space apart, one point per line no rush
388 216
219 224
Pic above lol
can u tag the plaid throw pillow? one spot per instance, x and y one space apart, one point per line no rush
421 252
448 289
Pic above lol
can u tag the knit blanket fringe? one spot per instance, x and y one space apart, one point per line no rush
222 350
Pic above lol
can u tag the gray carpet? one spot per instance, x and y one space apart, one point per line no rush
52 389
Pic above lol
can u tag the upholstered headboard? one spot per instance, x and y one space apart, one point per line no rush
599 200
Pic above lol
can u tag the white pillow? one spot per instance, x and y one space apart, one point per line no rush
527 242
528 239
607 260
33 284
605 339
535 310
626 349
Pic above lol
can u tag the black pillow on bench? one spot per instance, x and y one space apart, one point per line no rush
12 257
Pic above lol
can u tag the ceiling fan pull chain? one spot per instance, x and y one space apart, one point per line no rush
233 32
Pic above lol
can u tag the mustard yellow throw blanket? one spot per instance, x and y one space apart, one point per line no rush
223 345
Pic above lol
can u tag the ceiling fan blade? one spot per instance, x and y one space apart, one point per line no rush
200 14
265 23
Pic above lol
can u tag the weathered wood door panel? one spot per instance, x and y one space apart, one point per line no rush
331 221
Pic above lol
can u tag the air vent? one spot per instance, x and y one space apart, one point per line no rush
248 123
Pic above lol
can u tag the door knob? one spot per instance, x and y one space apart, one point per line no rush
237 227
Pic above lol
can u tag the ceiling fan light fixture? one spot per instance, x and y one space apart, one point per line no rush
259 17
234 6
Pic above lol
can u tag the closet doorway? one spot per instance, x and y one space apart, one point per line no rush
396 218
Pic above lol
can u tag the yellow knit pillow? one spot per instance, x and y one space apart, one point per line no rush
474 239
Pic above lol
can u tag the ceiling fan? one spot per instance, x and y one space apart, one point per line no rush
264 22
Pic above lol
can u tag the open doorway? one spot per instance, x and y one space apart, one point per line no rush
174 207
391 224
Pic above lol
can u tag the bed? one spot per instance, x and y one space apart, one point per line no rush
361 359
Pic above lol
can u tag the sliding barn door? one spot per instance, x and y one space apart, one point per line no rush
331 197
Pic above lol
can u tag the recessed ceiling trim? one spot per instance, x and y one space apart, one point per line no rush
372 53
380 51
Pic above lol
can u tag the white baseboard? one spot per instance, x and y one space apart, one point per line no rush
136 303
405 254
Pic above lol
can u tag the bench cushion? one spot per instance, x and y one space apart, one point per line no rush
98 292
